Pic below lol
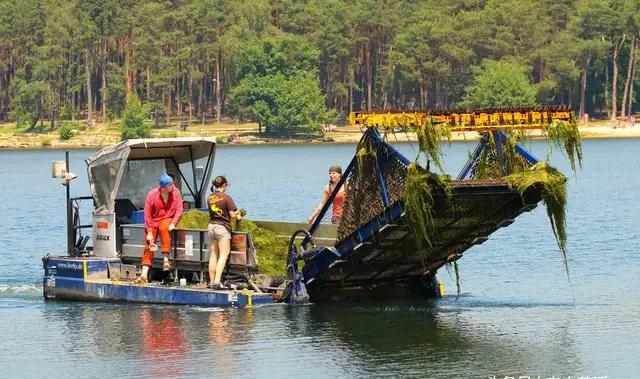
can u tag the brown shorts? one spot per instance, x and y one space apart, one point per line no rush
218 232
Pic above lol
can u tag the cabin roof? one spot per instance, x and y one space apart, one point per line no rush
105 167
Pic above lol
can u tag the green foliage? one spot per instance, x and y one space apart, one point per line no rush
554 196
65 112
65 132
279 102
362 54
115 94
285 54
271 249
194 219
45 141
26 102
278 88
499 83
134 119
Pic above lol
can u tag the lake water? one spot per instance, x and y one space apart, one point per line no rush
517 314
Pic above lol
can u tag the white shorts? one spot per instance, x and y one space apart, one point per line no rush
218 232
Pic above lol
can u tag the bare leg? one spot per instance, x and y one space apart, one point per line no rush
224 246
147 254
213 260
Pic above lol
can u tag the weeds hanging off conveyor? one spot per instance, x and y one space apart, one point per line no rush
458 283
364 151
418 204
429 138
554 196
566 135
493 163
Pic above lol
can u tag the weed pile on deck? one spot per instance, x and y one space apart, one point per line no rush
271 250
194 219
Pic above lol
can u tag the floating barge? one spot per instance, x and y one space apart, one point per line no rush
371 250
119 179
94 279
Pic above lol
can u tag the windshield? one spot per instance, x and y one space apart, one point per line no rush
197 184
139 178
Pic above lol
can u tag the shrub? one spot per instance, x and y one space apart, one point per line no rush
499 83
45 141
134 124
65 132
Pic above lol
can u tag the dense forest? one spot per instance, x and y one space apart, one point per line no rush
285 63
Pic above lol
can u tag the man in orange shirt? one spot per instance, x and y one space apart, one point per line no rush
162 210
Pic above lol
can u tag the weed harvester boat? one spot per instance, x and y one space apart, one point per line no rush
382 246
382 243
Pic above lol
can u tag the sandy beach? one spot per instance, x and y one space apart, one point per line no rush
243 134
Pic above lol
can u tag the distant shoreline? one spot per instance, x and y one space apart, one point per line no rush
99 138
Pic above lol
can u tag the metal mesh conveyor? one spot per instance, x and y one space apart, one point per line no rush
374 243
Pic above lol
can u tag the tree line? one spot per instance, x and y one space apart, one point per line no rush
285 63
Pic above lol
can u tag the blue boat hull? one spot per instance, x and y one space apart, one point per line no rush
88 279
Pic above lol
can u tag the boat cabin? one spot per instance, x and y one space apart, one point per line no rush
120 177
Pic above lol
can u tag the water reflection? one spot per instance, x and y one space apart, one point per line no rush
156 341
220 337
436 338
219 329
467 337
164 346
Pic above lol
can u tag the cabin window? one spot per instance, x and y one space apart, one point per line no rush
140 177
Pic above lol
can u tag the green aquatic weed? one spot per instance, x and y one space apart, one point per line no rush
554 197
566 135
418 204
271 249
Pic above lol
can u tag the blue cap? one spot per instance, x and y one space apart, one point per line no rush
165 180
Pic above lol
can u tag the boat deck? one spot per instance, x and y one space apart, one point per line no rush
90 278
